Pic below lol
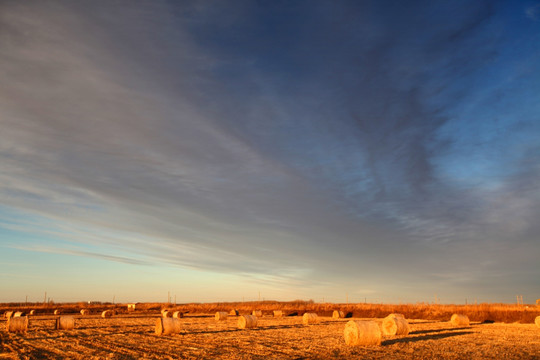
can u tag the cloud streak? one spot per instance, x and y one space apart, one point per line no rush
273 142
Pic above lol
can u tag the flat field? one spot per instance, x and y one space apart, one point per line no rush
131 336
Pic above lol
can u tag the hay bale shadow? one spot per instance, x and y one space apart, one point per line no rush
437 330
424 338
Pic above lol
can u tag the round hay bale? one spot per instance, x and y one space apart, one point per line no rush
57 312
65 323
395 325
85 312
167 314
107 314
168 326
257 313
278 313
537 321
362 333
310 318
32 312
17 324
247 322
19 314
177 315
221 315
8 314
338 314
459 320
397 315
233 312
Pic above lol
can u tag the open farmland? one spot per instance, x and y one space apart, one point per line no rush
131 336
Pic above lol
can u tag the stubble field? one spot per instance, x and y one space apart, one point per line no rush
131 336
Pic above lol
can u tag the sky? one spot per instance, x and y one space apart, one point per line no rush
360 151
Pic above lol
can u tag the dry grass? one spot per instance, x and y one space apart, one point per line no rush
507 313
132 336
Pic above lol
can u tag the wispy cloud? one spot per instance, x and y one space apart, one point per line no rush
533 12
120 259
279 145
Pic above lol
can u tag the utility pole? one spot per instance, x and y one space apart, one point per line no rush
45 298
259 295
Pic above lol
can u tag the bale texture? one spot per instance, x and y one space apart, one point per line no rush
459 320
247 321
257 313
397 315
57 312
65 323
395 325
19 314
17 324
32 312
107 314
537 321
310 318
221 315
362 333
85 312
337 314
278 313
177 315
8 314
167 314
168 326
233 312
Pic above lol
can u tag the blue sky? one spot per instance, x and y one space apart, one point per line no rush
369 150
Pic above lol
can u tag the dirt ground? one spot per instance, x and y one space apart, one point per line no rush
202 337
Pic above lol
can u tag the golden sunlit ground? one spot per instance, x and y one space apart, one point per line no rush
131 336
